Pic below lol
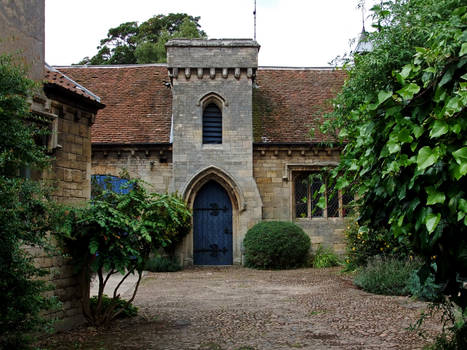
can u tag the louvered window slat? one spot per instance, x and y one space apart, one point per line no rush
212 124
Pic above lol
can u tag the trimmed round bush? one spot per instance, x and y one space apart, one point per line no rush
276 245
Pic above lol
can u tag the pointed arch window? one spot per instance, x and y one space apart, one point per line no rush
212 124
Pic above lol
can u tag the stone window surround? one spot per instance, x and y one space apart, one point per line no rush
290 172
221 103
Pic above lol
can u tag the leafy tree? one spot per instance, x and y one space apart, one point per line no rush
145 43
402 114
115 234
25 211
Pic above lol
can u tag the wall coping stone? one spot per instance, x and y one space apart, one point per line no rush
212 43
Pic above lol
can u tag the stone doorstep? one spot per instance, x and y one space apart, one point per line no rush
123 290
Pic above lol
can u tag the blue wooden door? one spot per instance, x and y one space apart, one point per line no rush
212 226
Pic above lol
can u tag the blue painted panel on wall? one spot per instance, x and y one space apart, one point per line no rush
111 183
212 226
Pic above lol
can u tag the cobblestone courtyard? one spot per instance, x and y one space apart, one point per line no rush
238 308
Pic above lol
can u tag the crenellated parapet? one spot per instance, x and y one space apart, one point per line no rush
212 59
211 73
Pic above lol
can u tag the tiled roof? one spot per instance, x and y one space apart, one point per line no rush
138 104
55 77
287 103
290 101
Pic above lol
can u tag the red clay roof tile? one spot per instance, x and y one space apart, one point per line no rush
53 76
286 104
289 102
138 104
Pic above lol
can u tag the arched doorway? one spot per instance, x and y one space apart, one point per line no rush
212 226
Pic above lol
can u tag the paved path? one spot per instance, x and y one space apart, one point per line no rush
242 309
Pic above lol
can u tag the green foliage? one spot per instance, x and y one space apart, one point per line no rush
116 234
424 287
26 212
403 116
145 43
454 333
389 276
363 244
456 339
162 264
128 310
276 245
325 257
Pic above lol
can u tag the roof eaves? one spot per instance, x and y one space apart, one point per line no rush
77 85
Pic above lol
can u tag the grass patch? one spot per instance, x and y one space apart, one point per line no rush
162 264
325 257
129 310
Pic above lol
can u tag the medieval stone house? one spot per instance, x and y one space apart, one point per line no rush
230 137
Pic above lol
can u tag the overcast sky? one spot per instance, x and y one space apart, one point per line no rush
299 33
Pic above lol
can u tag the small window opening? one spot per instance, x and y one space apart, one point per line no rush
212 124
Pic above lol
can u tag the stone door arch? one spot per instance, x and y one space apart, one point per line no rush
235 204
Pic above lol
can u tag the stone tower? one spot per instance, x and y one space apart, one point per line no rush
212 137
22 33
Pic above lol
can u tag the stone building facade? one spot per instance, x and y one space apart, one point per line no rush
22 33
212 125
69 110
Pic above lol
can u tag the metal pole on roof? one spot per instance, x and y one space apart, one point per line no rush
361 5
254 15
363 15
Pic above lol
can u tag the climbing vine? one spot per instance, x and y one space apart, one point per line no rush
402 117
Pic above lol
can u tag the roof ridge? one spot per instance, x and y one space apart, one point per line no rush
135 65
299 68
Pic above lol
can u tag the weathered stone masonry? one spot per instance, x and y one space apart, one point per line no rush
152 127
70 174
152 163
274 168
219 71
70 110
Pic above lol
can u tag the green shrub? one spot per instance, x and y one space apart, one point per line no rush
276 245
387 275
362 244
27 212
162 264
325 257
116 234
456 340
422 284
127 310
454 332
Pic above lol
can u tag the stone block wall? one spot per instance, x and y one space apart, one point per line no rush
273 169
72 164
22 33
70 174
222 72
153 164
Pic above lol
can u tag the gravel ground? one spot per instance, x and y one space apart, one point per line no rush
243 309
